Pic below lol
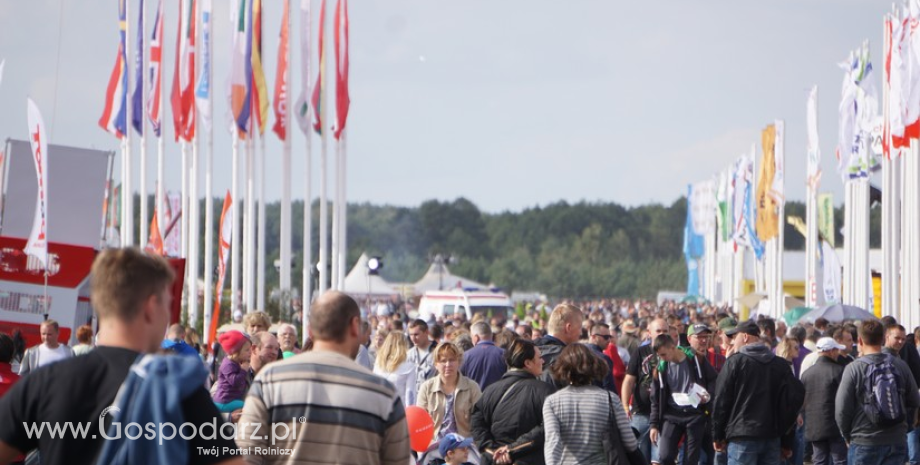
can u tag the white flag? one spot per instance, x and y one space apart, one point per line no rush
2 63
832 272
814 151
778 188
703 207
302 107
203 89
38 239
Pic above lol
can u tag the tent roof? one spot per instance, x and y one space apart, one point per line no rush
439 277
359 282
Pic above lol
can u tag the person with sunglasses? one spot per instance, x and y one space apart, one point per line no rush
598 341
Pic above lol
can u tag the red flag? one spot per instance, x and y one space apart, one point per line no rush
318 88
155 242
281 91
342 101
226 235
182 97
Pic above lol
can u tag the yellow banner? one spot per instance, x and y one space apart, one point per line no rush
767 217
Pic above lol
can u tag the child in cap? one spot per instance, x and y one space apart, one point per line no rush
454 449
233 377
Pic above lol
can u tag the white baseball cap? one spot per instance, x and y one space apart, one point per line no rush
828 343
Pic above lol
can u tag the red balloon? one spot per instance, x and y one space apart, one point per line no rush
421 428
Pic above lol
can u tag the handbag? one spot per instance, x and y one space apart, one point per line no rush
613 444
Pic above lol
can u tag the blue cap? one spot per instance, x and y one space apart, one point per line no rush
453 441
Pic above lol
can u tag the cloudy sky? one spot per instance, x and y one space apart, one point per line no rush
511 104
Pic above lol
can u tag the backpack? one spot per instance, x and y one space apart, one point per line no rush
882 401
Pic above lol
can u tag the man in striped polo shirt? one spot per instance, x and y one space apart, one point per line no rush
320 406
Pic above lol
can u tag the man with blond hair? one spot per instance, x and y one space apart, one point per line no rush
46 353
563 328
131 297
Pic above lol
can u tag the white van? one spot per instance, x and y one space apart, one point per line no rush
444 304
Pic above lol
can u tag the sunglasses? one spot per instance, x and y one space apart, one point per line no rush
604 336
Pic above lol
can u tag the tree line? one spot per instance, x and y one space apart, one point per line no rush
574 250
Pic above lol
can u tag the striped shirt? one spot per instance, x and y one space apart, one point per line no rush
336 411
576 420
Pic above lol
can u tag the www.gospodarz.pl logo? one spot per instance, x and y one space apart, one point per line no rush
163 431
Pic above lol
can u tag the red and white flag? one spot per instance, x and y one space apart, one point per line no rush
318 88
226 236
156 71
183 87
342 100
281 85
38 239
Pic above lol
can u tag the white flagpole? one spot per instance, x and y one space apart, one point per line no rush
912 318
235 236
336 208
343 218
780 240
143 162
890 200
284 270
307 269
323 213
249 238
184 208
193 215
260 254
127 190
209 206
160 207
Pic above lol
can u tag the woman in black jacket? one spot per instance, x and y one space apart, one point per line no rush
507 422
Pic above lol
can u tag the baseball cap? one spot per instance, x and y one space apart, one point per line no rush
453 441
698 328
746 327
727 323
828 343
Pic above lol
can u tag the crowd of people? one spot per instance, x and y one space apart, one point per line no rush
595 382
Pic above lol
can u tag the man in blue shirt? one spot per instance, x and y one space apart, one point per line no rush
485 362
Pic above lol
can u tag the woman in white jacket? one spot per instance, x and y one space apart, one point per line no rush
391 364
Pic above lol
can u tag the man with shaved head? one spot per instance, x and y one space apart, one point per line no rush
335 410
636 392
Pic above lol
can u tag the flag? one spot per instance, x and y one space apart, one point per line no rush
342 100
826 218
703 207
38 138
723 199
813 149
155 241
137 110
156 62
226 236
893 121
182 98
240 68
281 90
857 111
754 242
318 88
260 94
114 118
694 246
203 89
172 227
832 273
910 74
302 107
2 64
744 219
778 187
767 219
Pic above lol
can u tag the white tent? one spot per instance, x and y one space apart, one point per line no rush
359 282
439 278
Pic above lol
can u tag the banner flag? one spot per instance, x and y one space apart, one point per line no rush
767 220
814 150
302 106
342 99
281 84
226 235
203 88
826 217
38 138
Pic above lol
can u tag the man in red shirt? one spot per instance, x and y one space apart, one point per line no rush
7 377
